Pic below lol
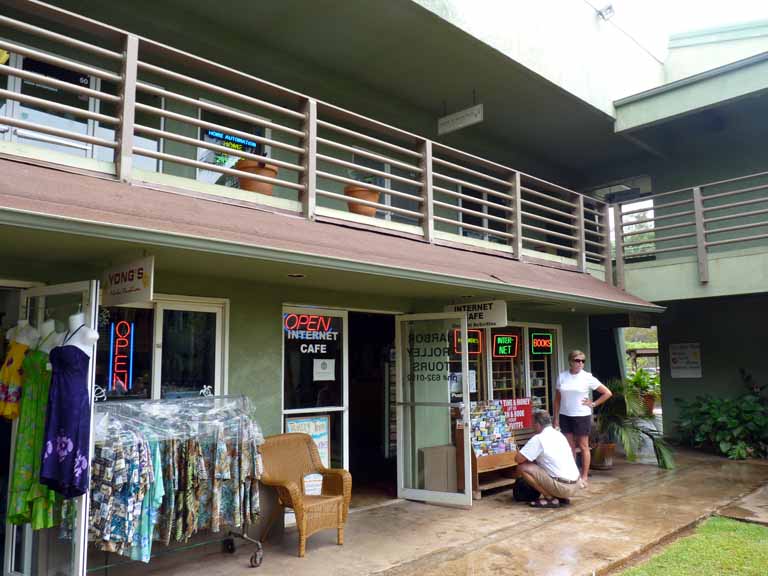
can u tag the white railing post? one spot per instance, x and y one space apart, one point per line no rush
517 215
618 230
581 245
701 237
428 208
309 160
608 261
127 112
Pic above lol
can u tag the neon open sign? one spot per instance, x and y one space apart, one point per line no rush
120 356
308 322
541 343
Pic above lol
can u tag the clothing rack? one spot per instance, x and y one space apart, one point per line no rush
221 424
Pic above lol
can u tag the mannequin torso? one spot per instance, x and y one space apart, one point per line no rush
79 335
23 333
49 339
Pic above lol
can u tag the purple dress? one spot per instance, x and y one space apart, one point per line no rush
67 437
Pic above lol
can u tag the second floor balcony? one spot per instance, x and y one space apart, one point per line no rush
144 113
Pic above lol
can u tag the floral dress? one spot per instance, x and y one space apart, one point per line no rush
30 501
68 423
11 375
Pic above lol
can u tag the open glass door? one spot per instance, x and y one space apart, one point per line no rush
432 412
58 546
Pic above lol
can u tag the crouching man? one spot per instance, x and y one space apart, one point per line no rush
546 464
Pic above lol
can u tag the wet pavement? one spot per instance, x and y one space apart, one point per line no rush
751 508
623 513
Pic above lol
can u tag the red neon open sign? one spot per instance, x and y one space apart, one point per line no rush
121 356
307 322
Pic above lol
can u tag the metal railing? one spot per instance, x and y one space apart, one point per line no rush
699 221
151 112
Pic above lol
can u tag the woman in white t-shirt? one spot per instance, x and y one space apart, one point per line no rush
573 406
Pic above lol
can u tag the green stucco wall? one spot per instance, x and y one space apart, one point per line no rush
731 332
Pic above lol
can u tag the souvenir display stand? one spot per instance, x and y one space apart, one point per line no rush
495 441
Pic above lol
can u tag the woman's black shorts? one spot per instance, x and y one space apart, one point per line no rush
576 425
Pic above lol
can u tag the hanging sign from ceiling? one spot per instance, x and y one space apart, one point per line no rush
460 119
130 283
482 314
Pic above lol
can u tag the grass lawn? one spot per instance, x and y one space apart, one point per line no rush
719 546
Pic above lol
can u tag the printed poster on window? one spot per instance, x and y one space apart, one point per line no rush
685 360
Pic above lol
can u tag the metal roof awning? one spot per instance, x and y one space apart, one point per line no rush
57 201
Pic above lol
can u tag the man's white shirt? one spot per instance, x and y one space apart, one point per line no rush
550 450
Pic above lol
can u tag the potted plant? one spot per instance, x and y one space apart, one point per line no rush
622 419
362 192
260 167
647 385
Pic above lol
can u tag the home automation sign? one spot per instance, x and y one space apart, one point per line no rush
129 283
460 119
483 314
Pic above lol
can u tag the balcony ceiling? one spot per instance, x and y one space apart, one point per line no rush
344 51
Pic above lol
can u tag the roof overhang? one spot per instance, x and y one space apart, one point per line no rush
53 201
711 89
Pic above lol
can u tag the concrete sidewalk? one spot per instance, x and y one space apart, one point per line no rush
623 513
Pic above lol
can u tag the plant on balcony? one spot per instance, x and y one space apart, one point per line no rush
362 192
622 419
260 167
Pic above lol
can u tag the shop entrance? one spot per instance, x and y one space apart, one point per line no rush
372 416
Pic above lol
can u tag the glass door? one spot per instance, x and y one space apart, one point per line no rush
56 545
432 412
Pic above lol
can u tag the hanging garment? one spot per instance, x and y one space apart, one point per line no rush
29 501
141 548
11 380
68 422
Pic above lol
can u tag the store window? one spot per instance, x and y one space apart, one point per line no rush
189 353
173 349
124 352
314 374
40 114
228 140
477 364
507 363
543 367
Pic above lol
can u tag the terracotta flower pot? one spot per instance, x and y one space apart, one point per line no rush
362 193
602 456
649 400
260 168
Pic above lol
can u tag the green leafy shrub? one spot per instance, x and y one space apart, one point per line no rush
734 427
622 419
645 383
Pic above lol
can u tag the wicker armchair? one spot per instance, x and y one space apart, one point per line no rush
287 459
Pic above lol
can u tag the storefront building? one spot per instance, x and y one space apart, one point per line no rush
383 332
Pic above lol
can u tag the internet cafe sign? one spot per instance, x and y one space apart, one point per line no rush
482 314
129 283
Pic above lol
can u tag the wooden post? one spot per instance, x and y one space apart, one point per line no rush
309 160
127 110
581 245
701 237
618 230
517 216
427 193
608 260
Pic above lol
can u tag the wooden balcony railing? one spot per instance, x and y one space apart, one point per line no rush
116 103
701 221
